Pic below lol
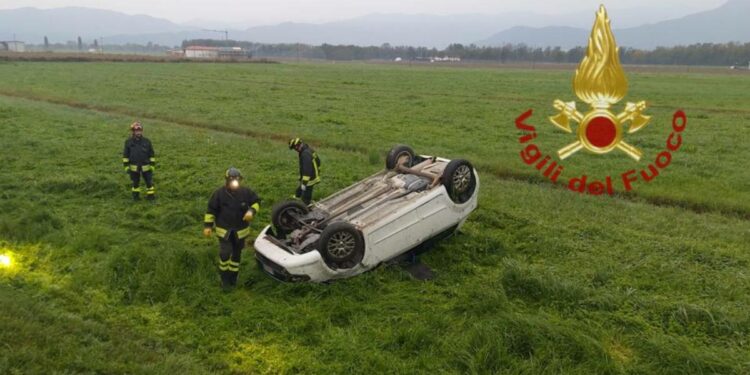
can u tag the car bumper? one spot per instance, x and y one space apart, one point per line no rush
283 265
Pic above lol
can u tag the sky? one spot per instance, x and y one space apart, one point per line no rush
255 12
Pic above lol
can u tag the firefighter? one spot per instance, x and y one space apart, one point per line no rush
230 210
309 169
138 159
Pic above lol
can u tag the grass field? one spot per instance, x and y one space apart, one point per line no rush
541 280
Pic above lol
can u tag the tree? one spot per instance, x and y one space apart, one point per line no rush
80 44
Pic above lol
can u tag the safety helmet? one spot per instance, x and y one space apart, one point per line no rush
136 126
233 173
233 177
294 142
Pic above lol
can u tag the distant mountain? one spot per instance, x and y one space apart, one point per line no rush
727 23
376 29
429 30
63 24
639 27
399 29
552 36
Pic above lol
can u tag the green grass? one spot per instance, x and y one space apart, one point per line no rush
541 280
468 112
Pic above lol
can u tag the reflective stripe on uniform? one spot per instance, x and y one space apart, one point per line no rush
153 160
221 232
315 166
243 233
209 218
136 190
151 190
125 160
224 265
234 266
145 168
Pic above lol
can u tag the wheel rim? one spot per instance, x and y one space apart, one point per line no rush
341 244
403 158
462 179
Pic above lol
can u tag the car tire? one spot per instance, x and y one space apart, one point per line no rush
282 219
459 180
400 154
341 245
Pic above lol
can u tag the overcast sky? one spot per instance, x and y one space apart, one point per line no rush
274 11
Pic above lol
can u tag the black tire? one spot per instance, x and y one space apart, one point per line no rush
400 153
341 245
459 180
283 216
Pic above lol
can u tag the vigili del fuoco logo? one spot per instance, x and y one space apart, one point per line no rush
600 82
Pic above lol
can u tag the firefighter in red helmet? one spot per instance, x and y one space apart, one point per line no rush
139 160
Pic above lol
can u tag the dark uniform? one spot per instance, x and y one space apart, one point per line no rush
226 210
309 173
138 159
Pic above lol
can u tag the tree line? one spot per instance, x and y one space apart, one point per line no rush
708 54
725 54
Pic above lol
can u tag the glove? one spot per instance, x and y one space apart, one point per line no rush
207 232
303 187
248 216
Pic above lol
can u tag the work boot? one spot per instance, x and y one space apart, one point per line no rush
226 282
233 278
136 196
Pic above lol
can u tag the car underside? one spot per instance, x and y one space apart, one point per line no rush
380 209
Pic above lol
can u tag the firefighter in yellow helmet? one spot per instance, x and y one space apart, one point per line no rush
309 169
139 160
231 209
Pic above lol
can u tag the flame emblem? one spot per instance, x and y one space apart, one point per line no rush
600 82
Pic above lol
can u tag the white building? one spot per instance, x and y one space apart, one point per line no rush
12 46
200 52
445 59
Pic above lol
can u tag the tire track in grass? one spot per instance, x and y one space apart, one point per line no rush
336 86
495 170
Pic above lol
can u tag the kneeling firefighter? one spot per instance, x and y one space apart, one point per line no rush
230 210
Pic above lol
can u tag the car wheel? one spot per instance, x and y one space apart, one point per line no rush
400 155
284 217
341 245
459 180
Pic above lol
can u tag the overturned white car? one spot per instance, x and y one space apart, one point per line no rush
414 201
